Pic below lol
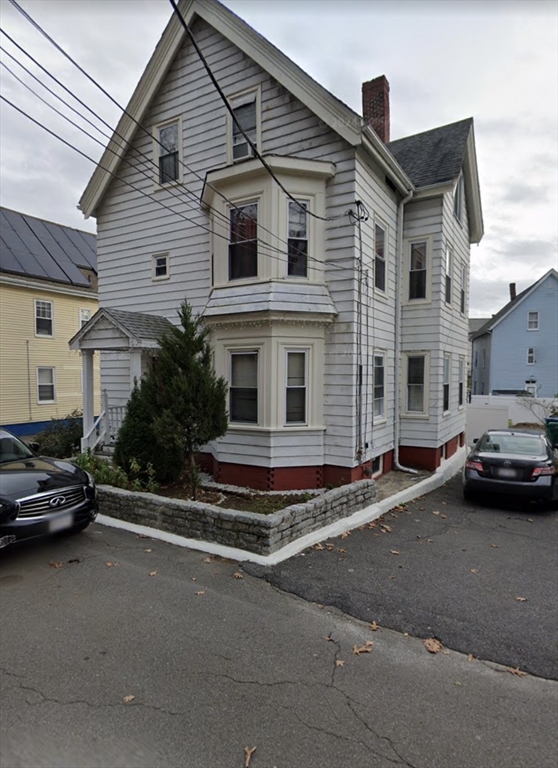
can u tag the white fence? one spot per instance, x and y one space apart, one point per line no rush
495 412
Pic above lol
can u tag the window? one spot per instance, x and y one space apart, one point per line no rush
448 270
415 384
84 317
160 266
446 384
417 274
45 385
168 147
245 112
476 358
484 358
43 318
243 243
461 382
379 258
298 239
533 321
296 388
379 382
463 288
458 200
531 356
243 404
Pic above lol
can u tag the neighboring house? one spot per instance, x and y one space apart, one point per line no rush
47 292
343 338
516 351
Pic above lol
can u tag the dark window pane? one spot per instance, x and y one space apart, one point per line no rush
298 225
417 285
243 247
244 405
298 258
416 370
462 301
246 118
446 397
168 139
168 168
296 405
43 326
460 401
418 256
448 289
380 274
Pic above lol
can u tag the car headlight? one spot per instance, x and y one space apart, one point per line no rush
90 478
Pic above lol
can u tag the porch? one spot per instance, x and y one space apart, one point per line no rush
135 336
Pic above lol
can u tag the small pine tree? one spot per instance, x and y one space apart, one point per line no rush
180 405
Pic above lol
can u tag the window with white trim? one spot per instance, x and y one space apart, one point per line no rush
380 258
297 264
448 270
243 388
168 151
461 382
533 321
530 355
46 389
463 289
84 317
245 111
379 386
43 318
417 271
160 266
296 389
416 371
243 241
458 200
446 383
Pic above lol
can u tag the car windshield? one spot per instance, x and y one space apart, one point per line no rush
12 449
530 445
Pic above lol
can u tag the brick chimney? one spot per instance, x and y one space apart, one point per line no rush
512 291
375 106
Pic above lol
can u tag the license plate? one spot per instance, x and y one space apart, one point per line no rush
60 523
5 540
506 473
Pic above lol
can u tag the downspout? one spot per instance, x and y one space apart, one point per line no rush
29 381
397 356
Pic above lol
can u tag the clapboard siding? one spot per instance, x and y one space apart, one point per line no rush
115 376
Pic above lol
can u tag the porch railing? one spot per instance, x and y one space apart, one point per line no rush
97 433
116 415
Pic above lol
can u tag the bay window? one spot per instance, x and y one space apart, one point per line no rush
296 388
297 239
243 389
243 241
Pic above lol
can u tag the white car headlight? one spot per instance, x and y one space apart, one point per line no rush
90 478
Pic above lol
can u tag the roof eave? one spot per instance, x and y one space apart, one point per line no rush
376 147
472 190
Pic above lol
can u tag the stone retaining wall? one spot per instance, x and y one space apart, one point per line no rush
261 534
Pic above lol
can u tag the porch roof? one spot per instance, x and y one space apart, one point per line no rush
119 329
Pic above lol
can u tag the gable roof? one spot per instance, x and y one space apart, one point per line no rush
435 156
333 112
140 330
511 305
41 249
477 322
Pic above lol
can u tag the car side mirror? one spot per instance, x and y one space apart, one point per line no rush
34 446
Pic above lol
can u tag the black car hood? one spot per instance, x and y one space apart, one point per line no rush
26 477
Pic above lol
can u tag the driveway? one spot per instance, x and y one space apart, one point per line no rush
122 652
479 577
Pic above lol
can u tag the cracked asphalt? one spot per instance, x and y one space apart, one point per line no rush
107 666
448 569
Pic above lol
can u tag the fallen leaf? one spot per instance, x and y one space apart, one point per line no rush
436 512
374 524
470 657
394 551
329 547
329 637
421 509
207 559
517 672
248 752
194 578
142 536
339 663
112 565
446 653
361 527
529 519
56 565
444 517
430 541
458 683
367 648
238 575
393 577
202 592
374 627
521 599
341 550
444 502
128 699
432 645
385 528
418 536
344 535
148 550
75 560
494 546
321 607
474 570
319 547
392 514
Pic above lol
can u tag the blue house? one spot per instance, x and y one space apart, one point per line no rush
516 351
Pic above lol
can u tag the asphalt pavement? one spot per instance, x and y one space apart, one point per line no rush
123 652
481 577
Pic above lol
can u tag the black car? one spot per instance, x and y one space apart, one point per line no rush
39 495
516 462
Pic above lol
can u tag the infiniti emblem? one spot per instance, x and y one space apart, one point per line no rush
57 501
507 463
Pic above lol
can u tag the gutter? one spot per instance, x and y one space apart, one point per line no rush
398 272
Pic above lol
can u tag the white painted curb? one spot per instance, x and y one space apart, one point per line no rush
447 470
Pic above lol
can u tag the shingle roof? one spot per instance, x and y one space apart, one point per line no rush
138 324
435 156
477 322
40 249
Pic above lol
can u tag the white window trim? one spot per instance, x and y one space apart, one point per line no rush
407 279
383 418
532 330
447 356
46 368
307 352
236 97
245 350
448 272
534 360
416 414
308 202
379 471
159 278
380 223
157 148
44 335
80 319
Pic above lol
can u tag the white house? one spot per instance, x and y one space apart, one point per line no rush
335 281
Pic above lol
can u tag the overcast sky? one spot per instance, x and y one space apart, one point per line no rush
494 60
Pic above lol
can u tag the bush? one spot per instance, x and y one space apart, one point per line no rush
107 473
61 439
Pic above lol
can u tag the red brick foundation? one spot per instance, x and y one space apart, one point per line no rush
420 458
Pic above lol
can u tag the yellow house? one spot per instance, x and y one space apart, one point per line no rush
48 290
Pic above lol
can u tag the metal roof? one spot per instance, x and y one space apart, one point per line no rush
41 249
